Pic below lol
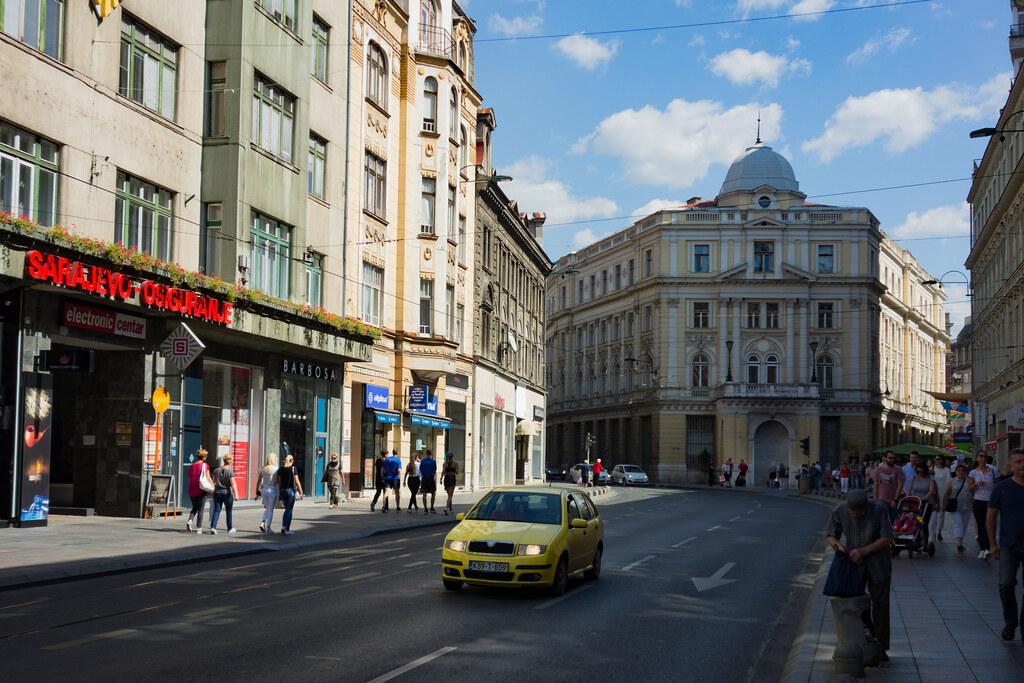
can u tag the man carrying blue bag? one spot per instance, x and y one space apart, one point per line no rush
860 530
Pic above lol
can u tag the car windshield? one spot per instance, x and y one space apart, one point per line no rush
631 468
517 506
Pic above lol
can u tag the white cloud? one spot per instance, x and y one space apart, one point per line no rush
534 190
657 205
697 40
942 221
584 238
746 7
805 6
675 147
904 118
891 40
958 305
516 26
744 67
588 53
792 44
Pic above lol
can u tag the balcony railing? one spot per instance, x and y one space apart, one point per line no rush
790 391
1016 30
437 41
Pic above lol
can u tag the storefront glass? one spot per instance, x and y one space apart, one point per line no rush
225 430
484 465
455 438
304 429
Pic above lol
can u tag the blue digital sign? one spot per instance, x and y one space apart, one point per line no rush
377 397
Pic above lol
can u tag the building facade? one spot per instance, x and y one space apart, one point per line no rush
742 327
160 176
508 329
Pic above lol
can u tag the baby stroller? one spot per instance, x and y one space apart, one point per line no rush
910 528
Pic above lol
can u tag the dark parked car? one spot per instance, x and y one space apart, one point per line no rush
554 473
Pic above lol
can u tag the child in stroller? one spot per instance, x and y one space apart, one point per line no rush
910 528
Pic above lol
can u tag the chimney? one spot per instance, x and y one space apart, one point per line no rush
535 223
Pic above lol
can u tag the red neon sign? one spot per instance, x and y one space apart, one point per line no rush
110 284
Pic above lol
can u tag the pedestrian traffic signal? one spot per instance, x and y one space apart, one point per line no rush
805 445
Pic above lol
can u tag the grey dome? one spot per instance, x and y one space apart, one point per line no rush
759 165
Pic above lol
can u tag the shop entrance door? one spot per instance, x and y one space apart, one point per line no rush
320 444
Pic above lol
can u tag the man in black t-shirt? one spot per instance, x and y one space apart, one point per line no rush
1007 503
378 479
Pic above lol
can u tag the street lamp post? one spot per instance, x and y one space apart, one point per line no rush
728 372
989 132
942 278
814 362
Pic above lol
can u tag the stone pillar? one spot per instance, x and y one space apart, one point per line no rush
737 346
790 358
854 380
803 312
723 332
673 342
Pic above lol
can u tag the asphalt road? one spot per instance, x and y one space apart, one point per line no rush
375 610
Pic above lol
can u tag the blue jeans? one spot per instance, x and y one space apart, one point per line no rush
1011 559
287 497
225 499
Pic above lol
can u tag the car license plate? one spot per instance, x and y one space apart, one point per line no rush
494 567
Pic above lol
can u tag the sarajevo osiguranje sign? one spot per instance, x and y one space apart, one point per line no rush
110 284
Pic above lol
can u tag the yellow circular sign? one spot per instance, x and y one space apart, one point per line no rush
161 400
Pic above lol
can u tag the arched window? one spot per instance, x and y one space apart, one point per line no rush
463 150
825 369
771 370
753 369
430 36
430 104
462 56
453 114
699 373
377 76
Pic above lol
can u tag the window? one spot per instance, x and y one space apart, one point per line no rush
449 309
463 149
142 216
753 369
374 185
616 329
648 318
604 282
753 315
430 104
283 10
771 370
271 255
826 258
318 57
426 306
28 175
771 316
462 239
453 114
460 315
699 374
451 212
377 78
273 118
825 368
216 92
37 23
629 325
764 257
632 272
593 286
372 302
702 258
209 243
148 68
428 202
826 319
314 279
618 276
702 314
648 263
564 297
317 166
579 291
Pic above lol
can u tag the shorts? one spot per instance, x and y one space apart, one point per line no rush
428 485
395 484
449 482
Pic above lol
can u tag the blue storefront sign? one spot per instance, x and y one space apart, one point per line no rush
962 437
431 408
387 418
377 397
419 397
427 421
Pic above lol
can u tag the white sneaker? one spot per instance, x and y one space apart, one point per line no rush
199 531
231 532
188 526
263 527
289 532
981 554
213 531
985 553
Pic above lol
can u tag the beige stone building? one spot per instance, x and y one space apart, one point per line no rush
737 327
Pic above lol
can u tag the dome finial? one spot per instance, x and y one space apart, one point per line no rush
758 140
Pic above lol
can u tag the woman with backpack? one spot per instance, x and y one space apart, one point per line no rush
200 486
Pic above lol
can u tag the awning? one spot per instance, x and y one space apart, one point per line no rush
387 417
527 428
430 421
949 396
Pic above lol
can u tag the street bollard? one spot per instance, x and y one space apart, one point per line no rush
848 657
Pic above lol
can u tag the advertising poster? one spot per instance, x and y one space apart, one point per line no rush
35 460
154 436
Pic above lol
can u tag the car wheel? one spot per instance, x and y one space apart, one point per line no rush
594 573
561 580
452 585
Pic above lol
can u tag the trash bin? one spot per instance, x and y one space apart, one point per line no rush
805 485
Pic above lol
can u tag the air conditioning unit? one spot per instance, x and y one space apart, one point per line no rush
243 263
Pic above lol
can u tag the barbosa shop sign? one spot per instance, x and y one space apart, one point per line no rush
313 370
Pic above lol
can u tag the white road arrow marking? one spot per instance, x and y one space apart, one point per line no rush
715 580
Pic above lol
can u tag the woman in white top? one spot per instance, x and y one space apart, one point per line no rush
956 489
982 480
267 491
941 475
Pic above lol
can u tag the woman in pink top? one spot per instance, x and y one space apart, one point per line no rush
196 494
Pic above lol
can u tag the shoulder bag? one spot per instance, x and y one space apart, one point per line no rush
952 503
206 481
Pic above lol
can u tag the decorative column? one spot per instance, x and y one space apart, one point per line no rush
855 381
790 358
803 312
673 342
723 332
737 346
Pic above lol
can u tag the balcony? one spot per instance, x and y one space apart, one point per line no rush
781 391
437 41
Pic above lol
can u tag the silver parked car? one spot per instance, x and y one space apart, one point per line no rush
629 475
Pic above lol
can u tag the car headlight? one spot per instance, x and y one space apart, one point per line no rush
457 546
531 549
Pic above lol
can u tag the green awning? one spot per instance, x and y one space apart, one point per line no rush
905 448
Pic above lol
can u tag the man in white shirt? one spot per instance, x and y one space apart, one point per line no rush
908 471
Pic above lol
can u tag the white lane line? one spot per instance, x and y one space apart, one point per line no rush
358 577
717 526
414 664
750 512
682 543
120 633
417 564
637 563
328 659
555 601
297 591
735 519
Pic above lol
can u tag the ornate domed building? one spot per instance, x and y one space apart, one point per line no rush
754 326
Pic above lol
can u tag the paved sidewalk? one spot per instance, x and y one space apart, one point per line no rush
946 619
71 547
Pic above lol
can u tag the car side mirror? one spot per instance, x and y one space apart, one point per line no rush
459 517
578 523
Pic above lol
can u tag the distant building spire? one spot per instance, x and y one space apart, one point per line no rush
758 141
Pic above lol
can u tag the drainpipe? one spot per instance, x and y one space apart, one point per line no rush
348 135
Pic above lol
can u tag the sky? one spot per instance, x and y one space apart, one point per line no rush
598 130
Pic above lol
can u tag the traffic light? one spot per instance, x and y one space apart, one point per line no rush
805 445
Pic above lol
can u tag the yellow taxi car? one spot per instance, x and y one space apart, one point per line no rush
524 536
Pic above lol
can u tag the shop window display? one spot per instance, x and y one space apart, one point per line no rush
227 392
